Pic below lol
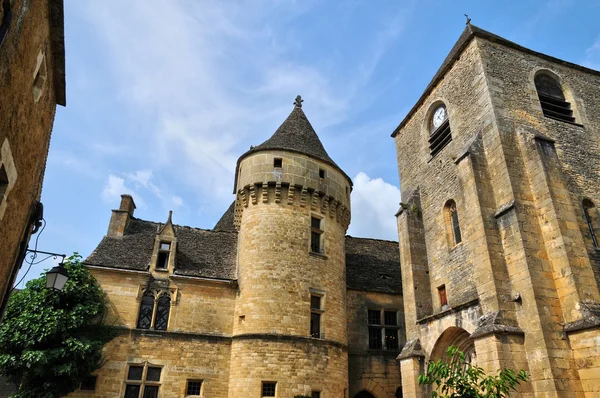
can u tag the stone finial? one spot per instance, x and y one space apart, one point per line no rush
298 102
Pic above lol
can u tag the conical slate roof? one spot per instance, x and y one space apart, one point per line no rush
295 134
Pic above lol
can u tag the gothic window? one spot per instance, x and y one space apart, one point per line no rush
163 308
588 211
452 223
316 311
439 130
154 314
146 310
162 260
383 329
6 15
315 235
143 381
552 98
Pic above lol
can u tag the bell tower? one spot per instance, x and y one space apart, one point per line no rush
292 211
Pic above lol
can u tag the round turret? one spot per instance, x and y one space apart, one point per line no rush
292 211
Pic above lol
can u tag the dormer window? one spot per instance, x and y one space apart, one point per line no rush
552 98
162 260
439 130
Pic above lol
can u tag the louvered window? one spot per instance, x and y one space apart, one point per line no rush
439 127
552 99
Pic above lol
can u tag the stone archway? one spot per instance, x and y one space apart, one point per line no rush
454 336
364 394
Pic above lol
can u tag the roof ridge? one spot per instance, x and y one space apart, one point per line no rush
180 226
376 239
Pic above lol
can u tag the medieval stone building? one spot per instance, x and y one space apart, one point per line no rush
499 164
275 301
32 83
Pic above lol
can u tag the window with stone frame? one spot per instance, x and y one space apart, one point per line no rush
155 309
316 235
452 223
443 296
193 388
162 258
316 311
268 389
143 381
589 211
383 329
88 384
5 18
552 98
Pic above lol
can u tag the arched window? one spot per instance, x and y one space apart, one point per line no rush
452 224
588 209
163 307
439 130
146 310
552 99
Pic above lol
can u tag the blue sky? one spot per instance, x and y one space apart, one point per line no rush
164 96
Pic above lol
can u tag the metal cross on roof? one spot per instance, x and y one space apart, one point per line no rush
298 102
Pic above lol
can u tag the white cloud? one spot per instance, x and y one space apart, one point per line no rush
592 55
374 203
177 201
113 189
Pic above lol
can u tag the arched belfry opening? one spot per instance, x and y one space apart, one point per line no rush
454 336
364 394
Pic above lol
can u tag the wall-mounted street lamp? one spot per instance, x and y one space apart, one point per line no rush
57 276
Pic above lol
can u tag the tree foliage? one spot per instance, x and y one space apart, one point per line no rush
456 378
49 340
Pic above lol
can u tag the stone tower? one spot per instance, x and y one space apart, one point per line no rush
499 164
292 211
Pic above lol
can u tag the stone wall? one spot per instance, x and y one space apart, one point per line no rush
27 111
376 371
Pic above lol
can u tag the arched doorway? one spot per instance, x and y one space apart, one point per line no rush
454 336
364 394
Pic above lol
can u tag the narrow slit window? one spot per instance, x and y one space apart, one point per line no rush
453 224
315 235
277 163
164 251
443 297
315 316
3 183
588 208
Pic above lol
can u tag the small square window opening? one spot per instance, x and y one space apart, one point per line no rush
88 384
316 394
268 388
278 163
321 173
193 387
315 235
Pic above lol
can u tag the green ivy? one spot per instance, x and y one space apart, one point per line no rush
456 378
50 341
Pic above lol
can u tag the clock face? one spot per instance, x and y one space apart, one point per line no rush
439 116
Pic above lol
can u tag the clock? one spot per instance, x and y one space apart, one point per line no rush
439 116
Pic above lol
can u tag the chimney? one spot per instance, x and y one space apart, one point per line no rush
120 218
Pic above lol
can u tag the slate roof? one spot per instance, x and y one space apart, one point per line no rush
469 33
200 252
373 265
226 221
295 134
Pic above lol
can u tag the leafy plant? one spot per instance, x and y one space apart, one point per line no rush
456 378
49 340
